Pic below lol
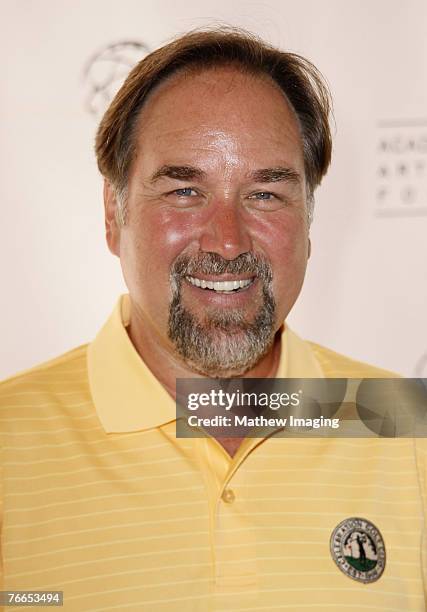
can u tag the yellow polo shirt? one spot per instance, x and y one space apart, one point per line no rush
103 502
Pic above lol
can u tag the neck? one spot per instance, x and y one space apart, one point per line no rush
166 365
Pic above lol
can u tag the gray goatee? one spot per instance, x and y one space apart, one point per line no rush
224 344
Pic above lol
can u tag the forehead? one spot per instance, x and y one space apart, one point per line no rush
218 109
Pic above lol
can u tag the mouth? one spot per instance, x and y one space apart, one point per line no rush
229 286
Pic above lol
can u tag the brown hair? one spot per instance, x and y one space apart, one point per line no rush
301 82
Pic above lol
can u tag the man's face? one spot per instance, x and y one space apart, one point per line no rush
216 194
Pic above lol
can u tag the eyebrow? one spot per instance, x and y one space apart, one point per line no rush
264 175
275 175
181 173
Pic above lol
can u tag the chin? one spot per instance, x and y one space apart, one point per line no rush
225 354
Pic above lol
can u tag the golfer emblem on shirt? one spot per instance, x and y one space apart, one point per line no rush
357 547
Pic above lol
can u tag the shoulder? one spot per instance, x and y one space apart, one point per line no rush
69 367
46 408
335 365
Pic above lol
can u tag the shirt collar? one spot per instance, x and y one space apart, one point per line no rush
126 394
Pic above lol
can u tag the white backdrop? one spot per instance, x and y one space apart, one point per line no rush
365 294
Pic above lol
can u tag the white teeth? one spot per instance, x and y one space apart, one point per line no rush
220 285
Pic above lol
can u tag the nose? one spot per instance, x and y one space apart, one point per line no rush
225 232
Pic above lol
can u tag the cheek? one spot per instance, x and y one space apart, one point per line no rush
168 232
284 239
150 244
171 232
285 243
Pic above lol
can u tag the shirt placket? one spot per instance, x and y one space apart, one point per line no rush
233 541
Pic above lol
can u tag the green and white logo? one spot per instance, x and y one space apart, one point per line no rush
357 547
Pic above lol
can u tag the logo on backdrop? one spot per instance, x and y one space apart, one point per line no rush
105 71
357 547
401 172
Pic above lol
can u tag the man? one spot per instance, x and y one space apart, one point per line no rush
211 152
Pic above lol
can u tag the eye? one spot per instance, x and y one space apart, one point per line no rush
185 192
184 197
266 201
262 195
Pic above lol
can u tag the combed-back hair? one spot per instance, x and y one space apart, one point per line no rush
301 82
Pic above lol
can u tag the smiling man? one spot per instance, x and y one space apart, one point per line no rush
215 240
211 152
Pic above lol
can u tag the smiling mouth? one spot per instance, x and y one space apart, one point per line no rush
228 286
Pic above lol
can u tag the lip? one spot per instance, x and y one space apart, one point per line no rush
223 277
220 286
233 298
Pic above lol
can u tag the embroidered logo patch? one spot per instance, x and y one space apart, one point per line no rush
357 547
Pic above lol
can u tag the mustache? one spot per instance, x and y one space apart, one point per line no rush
215 264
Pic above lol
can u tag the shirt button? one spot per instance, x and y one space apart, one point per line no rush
228 496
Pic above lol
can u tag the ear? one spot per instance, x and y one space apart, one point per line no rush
309 248
112 229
